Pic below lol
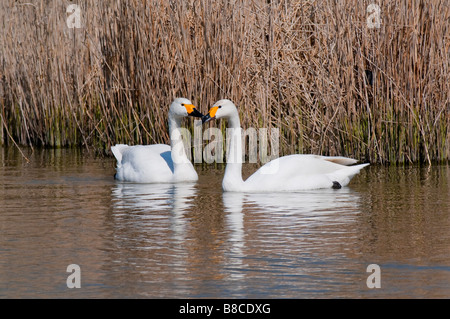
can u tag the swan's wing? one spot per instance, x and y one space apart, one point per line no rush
130 152
146 163
338 159
117 151
296 172
147 156
299 164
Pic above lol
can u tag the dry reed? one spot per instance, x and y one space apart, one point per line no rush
313 69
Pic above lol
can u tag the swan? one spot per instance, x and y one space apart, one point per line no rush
159 163
288 173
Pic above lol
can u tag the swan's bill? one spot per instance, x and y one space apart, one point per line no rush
206 118
211 114
192 111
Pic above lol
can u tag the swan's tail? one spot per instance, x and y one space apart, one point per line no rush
343 176
118 150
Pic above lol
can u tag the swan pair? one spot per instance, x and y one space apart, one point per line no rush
158 163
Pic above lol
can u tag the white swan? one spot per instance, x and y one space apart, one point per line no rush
288 173
159 163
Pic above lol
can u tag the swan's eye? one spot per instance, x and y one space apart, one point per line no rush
220 106
182 104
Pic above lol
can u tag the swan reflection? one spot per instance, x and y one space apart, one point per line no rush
233 204
313 203
148 205
302 217
153 197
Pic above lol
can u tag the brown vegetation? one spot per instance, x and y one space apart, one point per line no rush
313 69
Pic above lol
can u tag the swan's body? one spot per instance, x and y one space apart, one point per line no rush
288 173
159 163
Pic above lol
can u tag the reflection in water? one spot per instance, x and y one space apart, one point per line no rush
149 202
153 197
193 240
233 204
307 202
148 235
288 225
309 207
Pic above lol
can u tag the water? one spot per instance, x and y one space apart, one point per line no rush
193 241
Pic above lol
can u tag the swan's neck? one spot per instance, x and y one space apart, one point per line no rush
232 179
178 153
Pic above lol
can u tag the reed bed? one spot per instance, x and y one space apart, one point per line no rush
331 83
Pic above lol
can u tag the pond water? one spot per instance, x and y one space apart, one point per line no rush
194 241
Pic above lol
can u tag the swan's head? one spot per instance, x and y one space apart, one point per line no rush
182 107
220 109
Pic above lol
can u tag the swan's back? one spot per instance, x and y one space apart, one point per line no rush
302 172
144 163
